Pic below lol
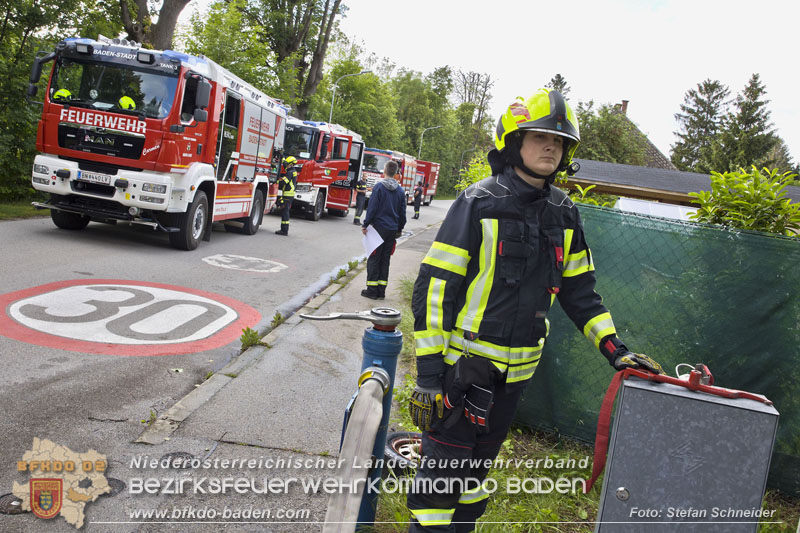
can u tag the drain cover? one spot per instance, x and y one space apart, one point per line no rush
10 504
117 486
178 459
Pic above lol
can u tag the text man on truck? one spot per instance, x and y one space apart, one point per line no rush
159 138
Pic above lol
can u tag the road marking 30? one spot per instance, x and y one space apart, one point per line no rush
122 317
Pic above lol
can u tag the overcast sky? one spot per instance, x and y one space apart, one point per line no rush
649 52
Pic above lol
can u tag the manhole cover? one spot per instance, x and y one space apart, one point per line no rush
10 504
178 459
117 486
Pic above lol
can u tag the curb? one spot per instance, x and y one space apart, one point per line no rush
165 425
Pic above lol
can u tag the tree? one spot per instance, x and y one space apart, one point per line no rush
558 83
137 20
26 27
298 33
747 135
700 120
607 135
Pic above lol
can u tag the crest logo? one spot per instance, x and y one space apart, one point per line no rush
46 497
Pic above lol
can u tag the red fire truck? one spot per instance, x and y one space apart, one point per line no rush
159 138
374 161
331 157
428 174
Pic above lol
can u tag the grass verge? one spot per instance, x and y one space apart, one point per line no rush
21 209
533 456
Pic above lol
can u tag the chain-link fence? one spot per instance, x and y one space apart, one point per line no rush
682 293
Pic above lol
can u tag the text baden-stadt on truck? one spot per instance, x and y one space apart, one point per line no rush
331 157
159 138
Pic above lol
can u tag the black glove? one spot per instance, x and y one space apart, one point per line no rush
422 403
398 234
469 387
625 359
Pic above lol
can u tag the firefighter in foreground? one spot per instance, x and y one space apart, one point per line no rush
387 213
286 185
509 246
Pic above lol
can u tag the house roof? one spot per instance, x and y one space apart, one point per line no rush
653 155
670 186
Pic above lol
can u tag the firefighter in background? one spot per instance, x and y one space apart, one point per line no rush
387 213
286 185
509 246
418 191
361 198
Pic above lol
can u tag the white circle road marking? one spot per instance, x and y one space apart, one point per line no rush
242 262
119 317
97 313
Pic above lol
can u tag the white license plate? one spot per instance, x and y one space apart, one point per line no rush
94 177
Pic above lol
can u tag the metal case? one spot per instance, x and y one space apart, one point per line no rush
685 460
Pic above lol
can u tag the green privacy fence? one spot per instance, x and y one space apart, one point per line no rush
682 293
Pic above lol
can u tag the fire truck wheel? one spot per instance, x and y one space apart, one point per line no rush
192 224
65 220
429 202
251 224
319 206
402 452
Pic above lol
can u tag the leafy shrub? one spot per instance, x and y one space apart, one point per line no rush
754 200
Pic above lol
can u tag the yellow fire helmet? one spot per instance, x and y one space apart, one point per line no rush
291 160
62 94
545 111
126 102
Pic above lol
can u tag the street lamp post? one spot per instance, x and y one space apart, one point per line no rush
335 86
462 157
419 155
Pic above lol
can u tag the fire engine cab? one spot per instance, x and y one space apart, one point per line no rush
374 161
159 138
331 157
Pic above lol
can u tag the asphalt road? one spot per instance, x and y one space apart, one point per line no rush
72 352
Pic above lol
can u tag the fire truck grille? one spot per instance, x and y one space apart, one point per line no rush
92 188
99 141
95 206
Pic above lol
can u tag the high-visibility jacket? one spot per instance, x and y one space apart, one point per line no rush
361 186
286 183
503 254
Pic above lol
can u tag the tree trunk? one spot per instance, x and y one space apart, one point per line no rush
142 30
318 57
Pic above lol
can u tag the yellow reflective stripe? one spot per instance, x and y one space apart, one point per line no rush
521 372
599 327
474 495
469 319
496 352
428 342
372 284
568 233
381 282
434 315
578 263
448 257
433 517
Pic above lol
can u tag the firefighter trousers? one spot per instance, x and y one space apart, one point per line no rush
417 203
285 208
361 199
454 466
378 263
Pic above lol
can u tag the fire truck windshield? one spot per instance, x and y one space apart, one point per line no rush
299 141
110 87
375 162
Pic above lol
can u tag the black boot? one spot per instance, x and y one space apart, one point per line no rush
281 232
370 293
